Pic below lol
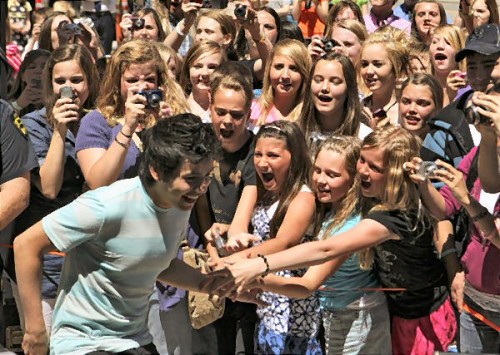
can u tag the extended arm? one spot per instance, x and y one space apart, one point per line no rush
366 234
322 9
29 248
302 287
445 246
298 217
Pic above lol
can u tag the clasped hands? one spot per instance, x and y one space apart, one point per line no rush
234 276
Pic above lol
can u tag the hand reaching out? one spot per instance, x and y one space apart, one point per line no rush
241 241
35 343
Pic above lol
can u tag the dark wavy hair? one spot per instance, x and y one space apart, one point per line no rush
169 143
45 41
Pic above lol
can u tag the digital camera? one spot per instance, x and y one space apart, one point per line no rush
73 28
329 44
137 23
240 11
67 91
471 111
427 169
153 98
472 114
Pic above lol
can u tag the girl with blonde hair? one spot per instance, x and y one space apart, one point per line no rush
284 84
383 65
350 36
215 25
200 62
109 144
446 41
399 229
354 313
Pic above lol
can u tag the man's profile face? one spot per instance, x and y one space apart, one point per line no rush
183 190
480 70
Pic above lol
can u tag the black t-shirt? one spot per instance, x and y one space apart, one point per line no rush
231 174
409 263
16 158
16 153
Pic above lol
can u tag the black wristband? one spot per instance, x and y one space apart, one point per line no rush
125 135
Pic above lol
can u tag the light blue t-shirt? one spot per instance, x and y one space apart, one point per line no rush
117 241
349 278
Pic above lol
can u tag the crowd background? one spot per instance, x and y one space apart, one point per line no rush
327 113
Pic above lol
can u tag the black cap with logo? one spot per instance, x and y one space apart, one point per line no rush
484 39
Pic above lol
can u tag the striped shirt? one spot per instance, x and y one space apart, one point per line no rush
117 241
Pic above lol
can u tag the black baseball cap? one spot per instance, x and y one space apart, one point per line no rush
484 39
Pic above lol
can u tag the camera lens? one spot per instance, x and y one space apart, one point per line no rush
154 100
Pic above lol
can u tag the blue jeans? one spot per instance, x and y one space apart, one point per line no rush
475 336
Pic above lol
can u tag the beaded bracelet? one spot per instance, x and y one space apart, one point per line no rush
264 274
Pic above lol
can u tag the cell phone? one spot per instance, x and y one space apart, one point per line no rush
220 243
67 91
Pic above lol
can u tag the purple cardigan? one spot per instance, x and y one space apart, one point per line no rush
480 264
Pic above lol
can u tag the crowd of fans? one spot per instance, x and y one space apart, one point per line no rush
347 153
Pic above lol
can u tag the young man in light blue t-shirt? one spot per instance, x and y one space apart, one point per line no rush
118 240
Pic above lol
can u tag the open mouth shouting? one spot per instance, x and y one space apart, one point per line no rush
267 177
440 58
226 133
325 98
365 184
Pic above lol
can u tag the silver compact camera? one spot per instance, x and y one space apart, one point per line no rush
427 169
